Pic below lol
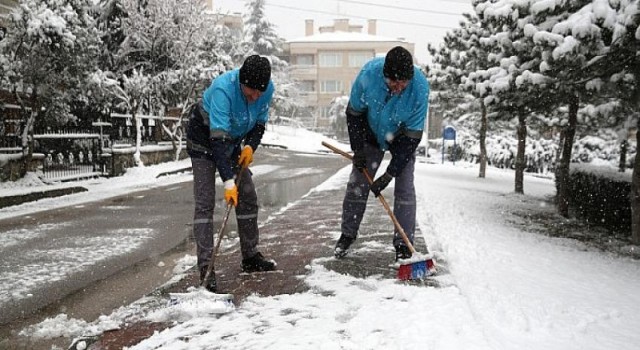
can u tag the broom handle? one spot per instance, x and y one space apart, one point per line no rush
220 232
403 234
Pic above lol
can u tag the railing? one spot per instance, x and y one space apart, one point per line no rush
77 151
69 154
8 141
61 166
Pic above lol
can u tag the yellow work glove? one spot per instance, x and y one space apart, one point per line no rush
246 156
231 192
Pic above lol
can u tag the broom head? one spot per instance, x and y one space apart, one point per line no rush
415 270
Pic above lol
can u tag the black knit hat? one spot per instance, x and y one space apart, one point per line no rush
256 72
398 65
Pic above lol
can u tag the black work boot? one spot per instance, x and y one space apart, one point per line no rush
257 263
402 252
211 284
342 247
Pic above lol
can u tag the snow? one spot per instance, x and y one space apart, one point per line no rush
507 288
22 281
297 139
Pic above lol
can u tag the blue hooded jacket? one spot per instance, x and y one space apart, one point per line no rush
386 113
228 109
224 119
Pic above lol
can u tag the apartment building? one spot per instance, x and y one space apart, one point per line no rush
233 21
326 63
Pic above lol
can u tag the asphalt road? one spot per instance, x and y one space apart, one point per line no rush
91 259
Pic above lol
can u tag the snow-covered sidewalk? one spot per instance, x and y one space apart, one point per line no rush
505 288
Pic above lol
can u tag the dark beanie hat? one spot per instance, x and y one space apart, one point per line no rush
398 65
256 72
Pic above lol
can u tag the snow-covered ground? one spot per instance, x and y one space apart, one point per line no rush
507 288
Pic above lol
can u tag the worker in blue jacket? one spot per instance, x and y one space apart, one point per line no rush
225 128
387 112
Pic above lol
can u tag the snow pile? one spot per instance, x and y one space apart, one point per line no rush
298 139
197 302
63 326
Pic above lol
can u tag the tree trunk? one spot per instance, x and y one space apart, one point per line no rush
27 131
483 141
635 196
562 172
522 142
635 176
622 165
136 155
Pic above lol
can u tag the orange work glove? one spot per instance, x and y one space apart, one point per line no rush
231 192
246 156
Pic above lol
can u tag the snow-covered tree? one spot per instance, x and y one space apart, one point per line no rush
513 57
544 49
173 44
338 116
110 15
622 66
568 37
460 56
260 38
47 53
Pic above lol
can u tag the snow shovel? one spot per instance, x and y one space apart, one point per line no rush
202 293
419 265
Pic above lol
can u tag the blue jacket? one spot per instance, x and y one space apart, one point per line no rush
388 113
392 122
228 109
224 119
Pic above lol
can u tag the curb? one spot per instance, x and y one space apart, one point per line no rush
34 196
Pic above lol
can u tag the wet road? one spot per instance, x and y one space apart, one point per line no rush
87 260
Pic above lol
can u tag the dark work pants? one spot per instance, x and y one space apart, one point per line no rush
355 199
204 172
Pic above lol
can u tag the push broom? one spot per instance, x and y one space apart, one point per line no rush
419 265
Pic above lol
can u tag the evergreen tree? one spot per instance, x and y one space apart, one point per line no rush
461 55
566 47
259 34
261 38
513 59
539 64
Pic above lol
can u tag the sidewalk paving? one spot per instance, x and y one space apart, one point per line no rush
306 230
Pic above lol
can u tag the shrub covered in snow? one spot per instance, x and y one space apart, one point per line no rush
600 196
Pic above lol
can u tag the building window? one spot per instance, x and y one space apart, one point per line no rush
307 86
304 60
331 86
330 59
358 59
324 112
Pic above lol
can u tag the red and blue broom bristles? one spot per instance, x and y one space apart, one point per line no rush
417 270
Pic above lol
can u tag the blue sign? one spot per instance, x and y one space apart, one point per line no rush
449 133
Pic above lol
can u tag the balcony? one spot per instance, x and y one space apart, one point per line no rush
304 71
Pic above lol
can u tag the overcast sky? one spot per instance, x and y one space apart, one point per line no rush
418 21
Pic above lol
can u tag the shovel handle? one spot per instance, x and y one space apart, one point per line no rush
214 253
396 223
